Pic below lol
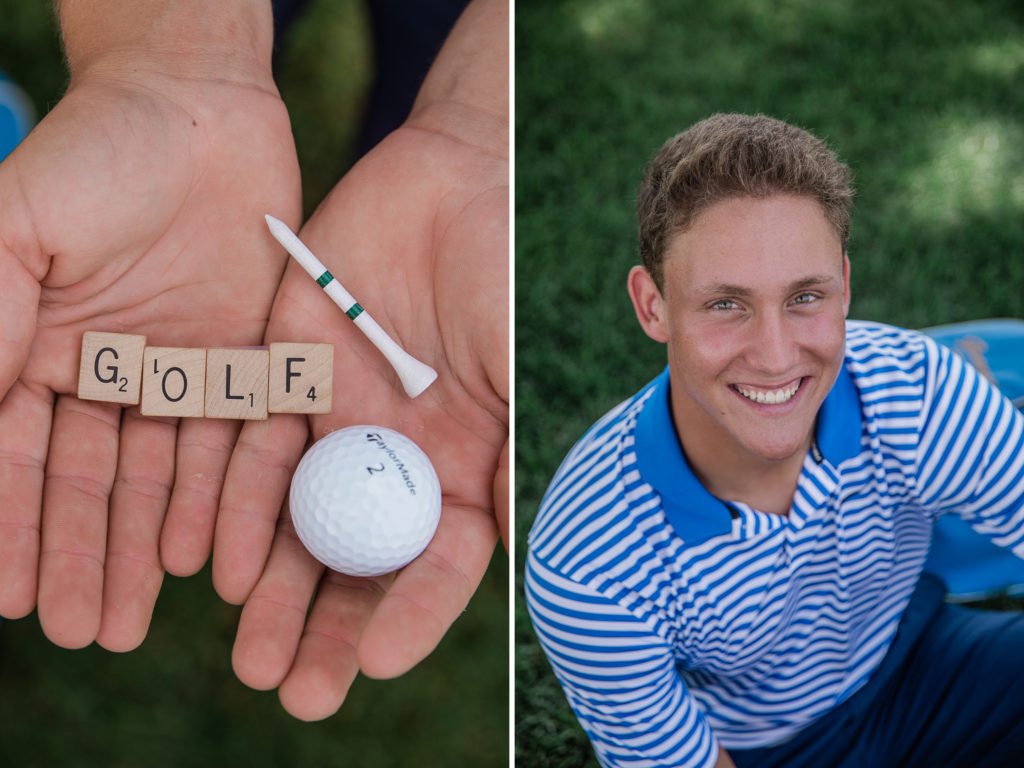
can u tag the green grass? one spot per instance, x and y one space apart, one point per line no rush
922 99
175 702
324 79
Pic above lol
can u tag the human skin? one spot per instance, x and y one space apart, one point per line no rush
138 204
755 299
135 206
418 231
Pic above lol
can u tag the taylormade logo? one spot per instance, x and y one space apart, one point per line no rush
375 438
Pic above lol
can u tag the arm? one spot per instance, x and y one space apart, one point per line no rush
970 459
418 230
135 206
465 94
619 675
465 97
230 39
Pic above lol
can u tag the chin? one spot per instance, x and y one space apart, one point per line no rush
777 450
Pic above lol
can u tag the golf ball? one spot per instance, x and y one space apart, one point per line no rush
365 500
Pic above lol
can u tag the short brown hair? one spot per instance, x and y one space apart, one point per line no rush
726 156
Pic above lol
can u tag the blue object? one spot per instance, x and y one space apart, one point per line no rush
994 347
946 694
17 116
972 567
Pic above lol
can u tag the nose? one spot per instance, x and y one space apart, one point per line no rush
774 347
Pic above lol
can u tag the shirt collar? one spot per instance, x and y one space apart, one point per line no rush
695 514
838 430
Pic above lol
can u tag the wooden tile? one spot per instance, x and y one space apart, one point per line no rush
236 383
173 382
111 367
301 378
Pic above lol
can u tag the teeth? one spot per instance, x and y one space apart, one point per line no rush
769 397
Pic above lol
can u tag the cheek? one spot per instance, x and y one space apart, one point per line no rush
826 335
703 350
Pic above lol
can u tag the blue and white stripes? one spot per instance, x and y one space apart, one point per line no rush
676 622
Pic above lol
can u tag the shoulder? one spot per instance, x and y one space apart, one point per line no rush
869 341
590 500
888 363
884 358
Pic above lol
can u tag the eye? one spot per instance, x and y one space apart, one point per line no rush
805 298
723 304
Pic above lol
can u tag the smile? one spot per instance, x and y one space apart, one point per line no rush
769 396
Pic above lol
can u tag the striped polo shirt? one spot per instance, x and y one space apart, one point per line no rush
676 621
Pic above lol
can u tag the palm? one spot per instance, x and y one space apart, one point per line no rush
412 275
417 232
135 206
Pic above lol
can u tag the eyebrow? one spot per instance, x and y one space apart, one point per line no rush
729 289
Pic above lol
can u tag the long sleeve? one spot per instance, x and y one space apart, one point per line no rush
970 457
619 676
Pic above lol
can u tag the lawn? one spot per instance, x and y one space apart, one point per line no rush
922 99
175 702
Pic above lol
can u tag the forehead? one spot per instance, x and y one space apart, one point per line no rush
755 241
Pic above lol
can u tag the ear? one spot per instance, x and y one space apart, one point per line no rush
648 303
846 284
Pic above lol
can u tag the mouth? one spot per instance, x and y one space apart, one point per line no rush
764 396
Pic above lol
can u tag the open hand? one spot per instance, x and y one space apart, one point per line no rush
418 232
135 206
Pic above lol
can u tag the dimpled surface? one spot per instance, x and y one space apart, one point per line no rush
365 500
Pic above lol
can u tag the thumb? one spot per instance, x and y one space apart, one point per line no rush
19 287
19 304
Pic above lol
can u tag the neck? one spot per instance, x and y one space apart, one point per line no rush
731 473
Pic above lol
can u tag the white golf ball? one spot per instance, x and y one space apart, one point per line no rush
365 500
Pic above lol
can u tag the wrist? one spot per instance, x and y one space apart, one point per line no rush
465 94
229 39
466 123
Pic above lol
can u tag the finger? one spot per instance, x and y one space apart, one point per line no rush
327 663
25 418
255 487
204 449
275 613
76 493
132 573
429 594
501 497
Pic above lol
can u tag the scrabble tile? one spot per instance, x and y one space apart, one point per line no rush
301 378
111 367
236 383
173 382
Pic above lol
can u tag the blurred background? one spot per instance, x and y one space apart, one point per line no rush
923 99
175 701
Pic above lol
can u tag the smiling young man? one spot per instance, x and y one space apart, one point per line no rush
727 568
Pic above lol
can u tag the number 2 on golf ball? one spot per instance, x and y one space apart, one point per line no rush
365 500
